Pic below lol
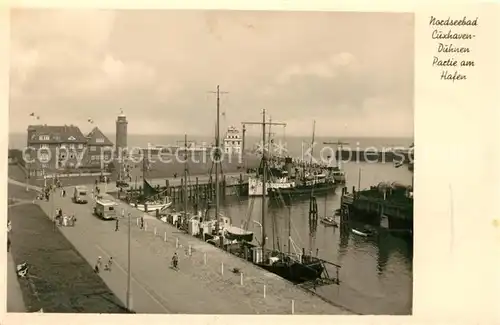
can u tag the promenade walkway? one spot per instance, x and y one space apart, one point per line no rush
204 283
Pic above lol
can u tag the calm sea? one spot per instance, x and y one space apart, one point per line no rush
294 144
376 273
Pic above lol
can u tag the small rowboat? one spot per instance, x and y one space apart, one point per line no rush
329 222
365 233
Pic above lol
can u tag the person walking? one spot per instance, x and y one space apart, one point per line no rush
175 261
98 265
142 222
107 267
117 220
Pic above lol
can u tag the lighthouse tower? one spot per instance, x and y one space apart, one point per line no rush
121 134
121 144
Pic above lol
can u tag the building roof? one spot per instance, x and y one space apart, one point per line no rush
57 134
97 134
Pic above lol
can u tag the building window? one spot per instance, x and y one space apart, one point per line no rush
44 146
80 146
45 165
44 138
63 146
99 140
72 146
92 148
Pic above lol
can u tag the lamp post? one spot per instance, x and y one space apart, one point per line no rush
129 277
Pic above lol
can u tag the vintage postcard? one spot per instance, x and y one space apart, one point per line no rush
245 162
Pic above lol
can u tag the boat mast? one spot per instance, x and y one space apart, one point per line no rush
289 228
264 178
312 142
185 176
264 168
217 154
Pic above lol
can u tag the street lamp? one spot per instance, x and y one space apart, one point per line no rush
129 278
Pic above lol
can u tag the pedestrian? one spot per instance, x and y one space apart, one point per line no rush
142 222
64 192
8 243
98 265
116 223
175 260
107 267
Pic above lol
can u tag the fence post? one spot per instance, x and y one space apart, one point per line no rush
222 268
176 242
137 221
155 231
264 291
190 250
165 237
205 258
241 278
145 226
293 306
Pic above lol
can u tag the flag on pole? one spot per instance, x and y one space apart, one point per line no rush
32 114
91 121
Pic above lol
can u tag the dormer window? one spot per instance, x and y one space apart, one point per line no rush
44 138
71 138
99 140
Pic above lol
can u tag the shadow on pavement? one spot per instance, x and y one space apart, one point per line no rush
60 279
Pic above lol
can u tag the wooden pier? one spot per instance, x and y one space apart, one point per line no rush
198 191
371 205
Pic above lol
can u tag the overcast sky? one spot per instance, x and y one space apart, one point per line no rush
351 72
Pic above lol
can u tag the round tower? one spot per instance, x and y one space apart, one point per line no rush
121 134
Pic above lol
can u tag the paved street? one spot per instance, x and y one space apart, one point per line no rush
196 288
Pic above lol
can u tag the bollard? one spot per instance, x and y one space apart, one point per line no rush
222 268
165 237
155 231
176 242
241 278
264 290
205 258
145 226
189 250
293 307
137 222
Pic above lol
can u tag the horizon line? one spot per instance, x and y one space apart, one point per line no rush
250 135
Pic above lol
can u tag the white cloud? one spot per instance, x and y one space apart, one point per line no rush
160 65
330 67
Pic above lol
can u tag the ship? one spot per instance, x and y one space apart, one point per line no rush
295 267
311 183
278 178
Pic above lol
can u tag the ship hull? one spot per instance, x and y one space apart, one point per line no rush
302 190
295 272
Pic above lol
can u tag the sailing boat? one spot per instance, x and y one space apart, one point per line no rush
297 268
146 204
224 231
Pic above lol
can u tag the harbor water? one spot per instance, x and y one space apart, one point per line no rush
376 273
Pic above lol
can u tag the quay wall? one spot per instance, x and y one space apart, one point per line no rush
372 156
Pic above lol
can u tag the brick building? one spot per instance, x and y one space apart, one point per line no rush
64 149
